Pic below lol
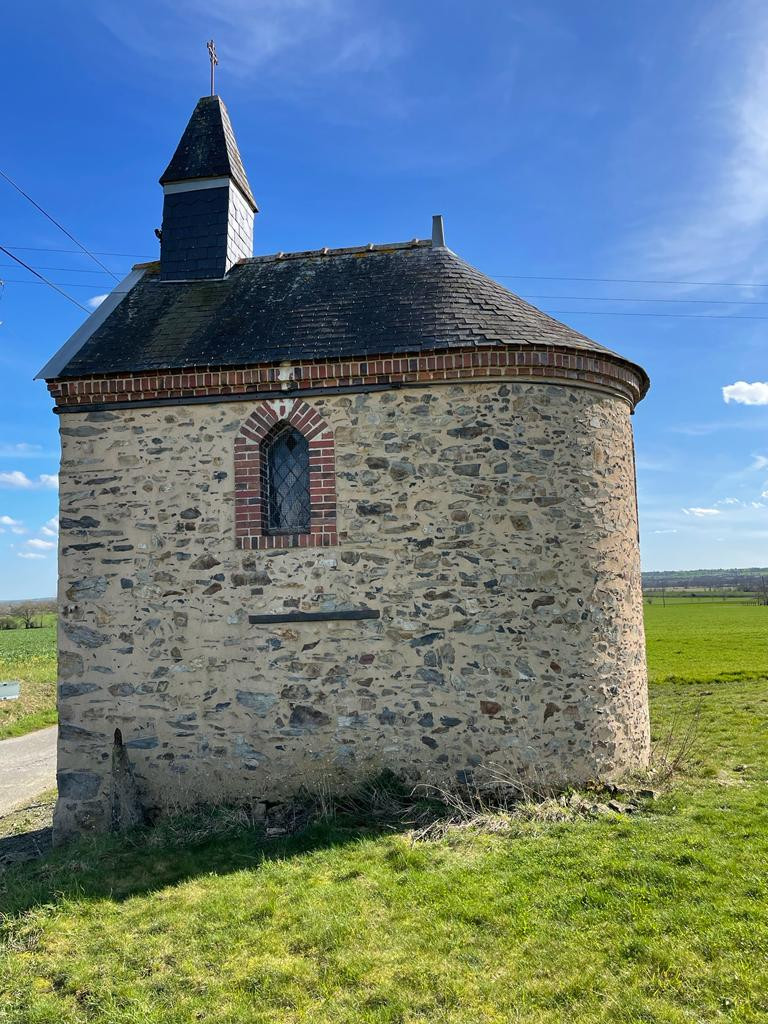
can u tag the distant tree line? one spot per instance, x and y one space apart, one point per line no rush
26 615
753 590
748 580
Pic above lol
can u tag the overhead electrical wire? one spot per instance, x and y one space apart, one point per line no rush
572 298
634 280
66 270
559 312
61 227
682 316
517 277
527 295
643 298
66 284
127 255
45 280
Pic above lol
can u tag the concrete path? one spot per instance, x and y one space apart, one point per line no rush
27 767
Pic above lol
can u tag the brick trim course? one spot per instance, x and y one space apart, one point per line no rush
250 469
529 362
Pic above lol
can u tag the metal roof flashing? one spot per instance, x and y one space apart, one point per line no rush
70 348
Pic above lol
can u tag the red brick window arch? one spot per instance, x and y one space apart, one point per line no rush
285 478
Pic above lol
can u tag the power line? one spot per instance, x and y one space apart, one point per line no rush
66 284
570 298
635 280
552 312
66 270
621 312
573 298
641 298
61 227
44 280
127 255
515 277
527 295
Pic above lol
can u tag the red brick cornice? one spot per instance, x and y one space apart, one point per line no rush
600 370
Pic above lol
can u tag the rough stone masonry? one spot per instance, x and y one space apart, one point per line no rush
494 528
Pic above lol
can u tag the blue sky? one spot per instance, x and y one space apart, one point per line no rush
561 141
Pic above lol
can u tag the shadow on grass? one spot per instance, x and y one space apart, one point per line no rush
719 678
144 860
224 840
24 846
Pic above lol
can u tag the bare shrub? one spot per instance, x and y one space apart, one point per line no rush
675 751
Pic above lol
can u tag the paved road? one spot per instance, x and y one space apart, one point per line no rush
27 767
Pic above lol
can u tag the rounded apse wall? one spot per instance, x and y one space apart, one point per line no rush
493 528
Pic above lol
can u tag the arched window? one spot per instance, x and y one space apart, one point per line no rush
285 478
285 461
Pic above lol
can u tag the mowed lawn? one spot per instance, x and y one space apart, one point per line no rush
29 656
656 917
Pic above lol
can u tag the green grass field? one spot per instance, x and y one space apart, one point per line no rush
29 655
699 598
706 642
657 918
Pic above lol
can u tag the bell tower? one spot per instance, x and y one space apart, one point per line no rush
208 206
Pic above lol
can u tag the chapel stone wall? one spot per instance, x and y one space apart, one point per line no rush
491 525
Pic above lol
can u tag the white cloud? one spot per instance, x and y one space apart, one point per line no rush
28 554
96 300
51 528
736 503
20 480
14 525
40 545
755 393
716 222
15 479
663 531
702 513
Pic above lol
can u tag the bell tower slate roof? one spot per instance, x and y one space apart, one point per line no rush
208 206
208 149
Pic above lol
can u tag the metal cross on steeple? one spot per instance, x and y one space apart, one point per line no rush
214 61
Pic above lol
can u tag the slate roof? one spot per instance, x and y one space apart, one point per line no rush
208 149
320 305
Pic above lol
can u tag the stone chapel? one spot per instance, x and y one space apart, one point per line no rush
331 512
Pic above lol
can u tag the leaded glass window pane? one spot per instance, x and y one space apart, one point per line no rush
287 482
